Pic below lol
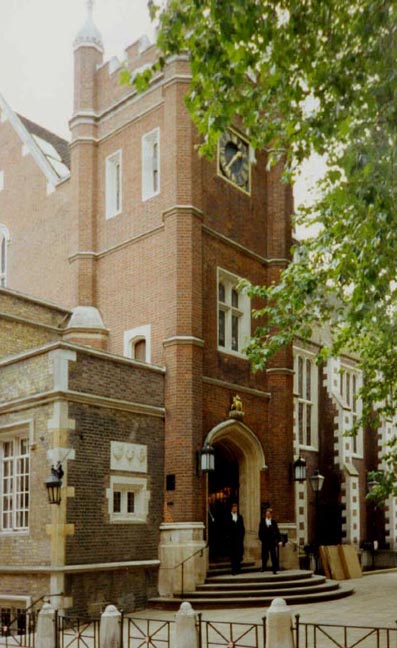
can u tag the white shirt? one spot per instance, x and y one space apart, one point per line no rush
234 516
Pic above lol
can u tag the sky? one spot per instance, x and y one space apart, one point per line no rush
36 51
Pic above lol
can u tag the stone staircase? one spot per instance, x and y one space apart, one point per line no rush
254 588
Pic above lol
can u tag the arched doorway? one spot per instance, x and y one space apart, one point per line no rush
239 459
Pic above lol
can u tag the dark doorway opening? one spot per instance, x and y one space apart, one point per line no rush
223 490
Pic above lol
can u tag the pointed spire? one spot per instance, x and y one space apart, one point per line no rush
89 35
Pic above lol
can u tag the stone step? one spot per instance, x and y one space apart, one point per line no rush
217 569
261 583
173 603
285 576
265 593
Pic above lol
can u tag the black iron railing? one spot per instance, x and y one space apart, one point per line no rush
322 635
148 632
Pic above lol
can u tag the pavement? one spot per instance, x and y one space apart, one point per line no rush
374 603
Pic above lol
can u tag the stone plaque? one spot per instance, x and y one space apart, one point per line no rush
130 457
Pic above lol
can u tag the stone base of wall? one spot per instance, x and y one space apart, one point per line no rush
382 559
127 589
178 542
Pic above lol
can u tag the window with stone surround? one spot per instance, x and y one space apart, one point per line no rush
151 164
349 385
113 184
15 482
234 314
306 398
137 343
4 238
128 499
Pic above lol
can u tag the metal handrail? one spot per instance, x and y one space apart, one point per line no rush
191 556
182 564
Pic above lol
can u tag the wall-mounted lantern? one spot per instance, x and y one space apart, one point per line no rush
54 484
207 458
299 469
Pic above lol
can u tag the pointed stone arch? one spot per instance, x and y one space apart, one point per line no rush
237 438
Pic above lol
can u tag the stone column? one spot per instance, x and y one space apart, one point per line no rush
279 632
186 635
110 627
46 627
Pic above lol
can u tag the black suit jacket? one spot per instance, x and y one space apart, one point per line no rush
269 535
235 532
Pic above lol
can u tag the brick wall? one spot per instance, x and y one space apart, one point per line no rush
96 539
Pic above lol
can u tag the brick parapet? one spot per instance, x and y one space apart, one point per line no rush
33 310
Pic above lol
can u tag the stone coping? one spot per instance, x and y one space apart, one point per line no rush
72 569
51 346
167 526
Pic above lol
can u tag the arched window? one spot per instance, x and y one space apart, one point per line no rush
138 349
137 343
4 239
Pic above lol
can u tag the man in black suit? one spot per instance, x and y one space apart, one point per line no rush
235 534
270 537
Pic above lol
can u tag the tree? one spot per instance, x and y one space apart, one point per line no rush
310 76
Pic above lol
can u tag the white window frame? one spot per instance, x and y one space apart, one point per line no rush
242 312
151 164
135 335
125 485
306 399
10 482
350 381
4 242
114 184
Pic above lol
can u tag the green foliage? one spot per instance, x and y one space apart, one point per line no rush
308 76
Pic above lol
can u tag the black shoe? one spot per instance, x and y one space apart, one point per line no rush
274 572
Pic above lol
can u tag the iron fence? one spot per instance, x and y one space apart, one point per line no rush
149 633
77 633
233 635
327 635
154 633
18 631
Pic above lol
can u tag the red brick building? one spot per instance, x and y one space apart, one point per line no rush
146 243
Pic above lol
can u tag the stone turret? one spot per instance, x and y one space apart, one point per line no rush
88 56
86 325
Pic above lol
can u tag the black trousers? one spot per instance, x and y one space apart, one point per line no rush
272 550
236 556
